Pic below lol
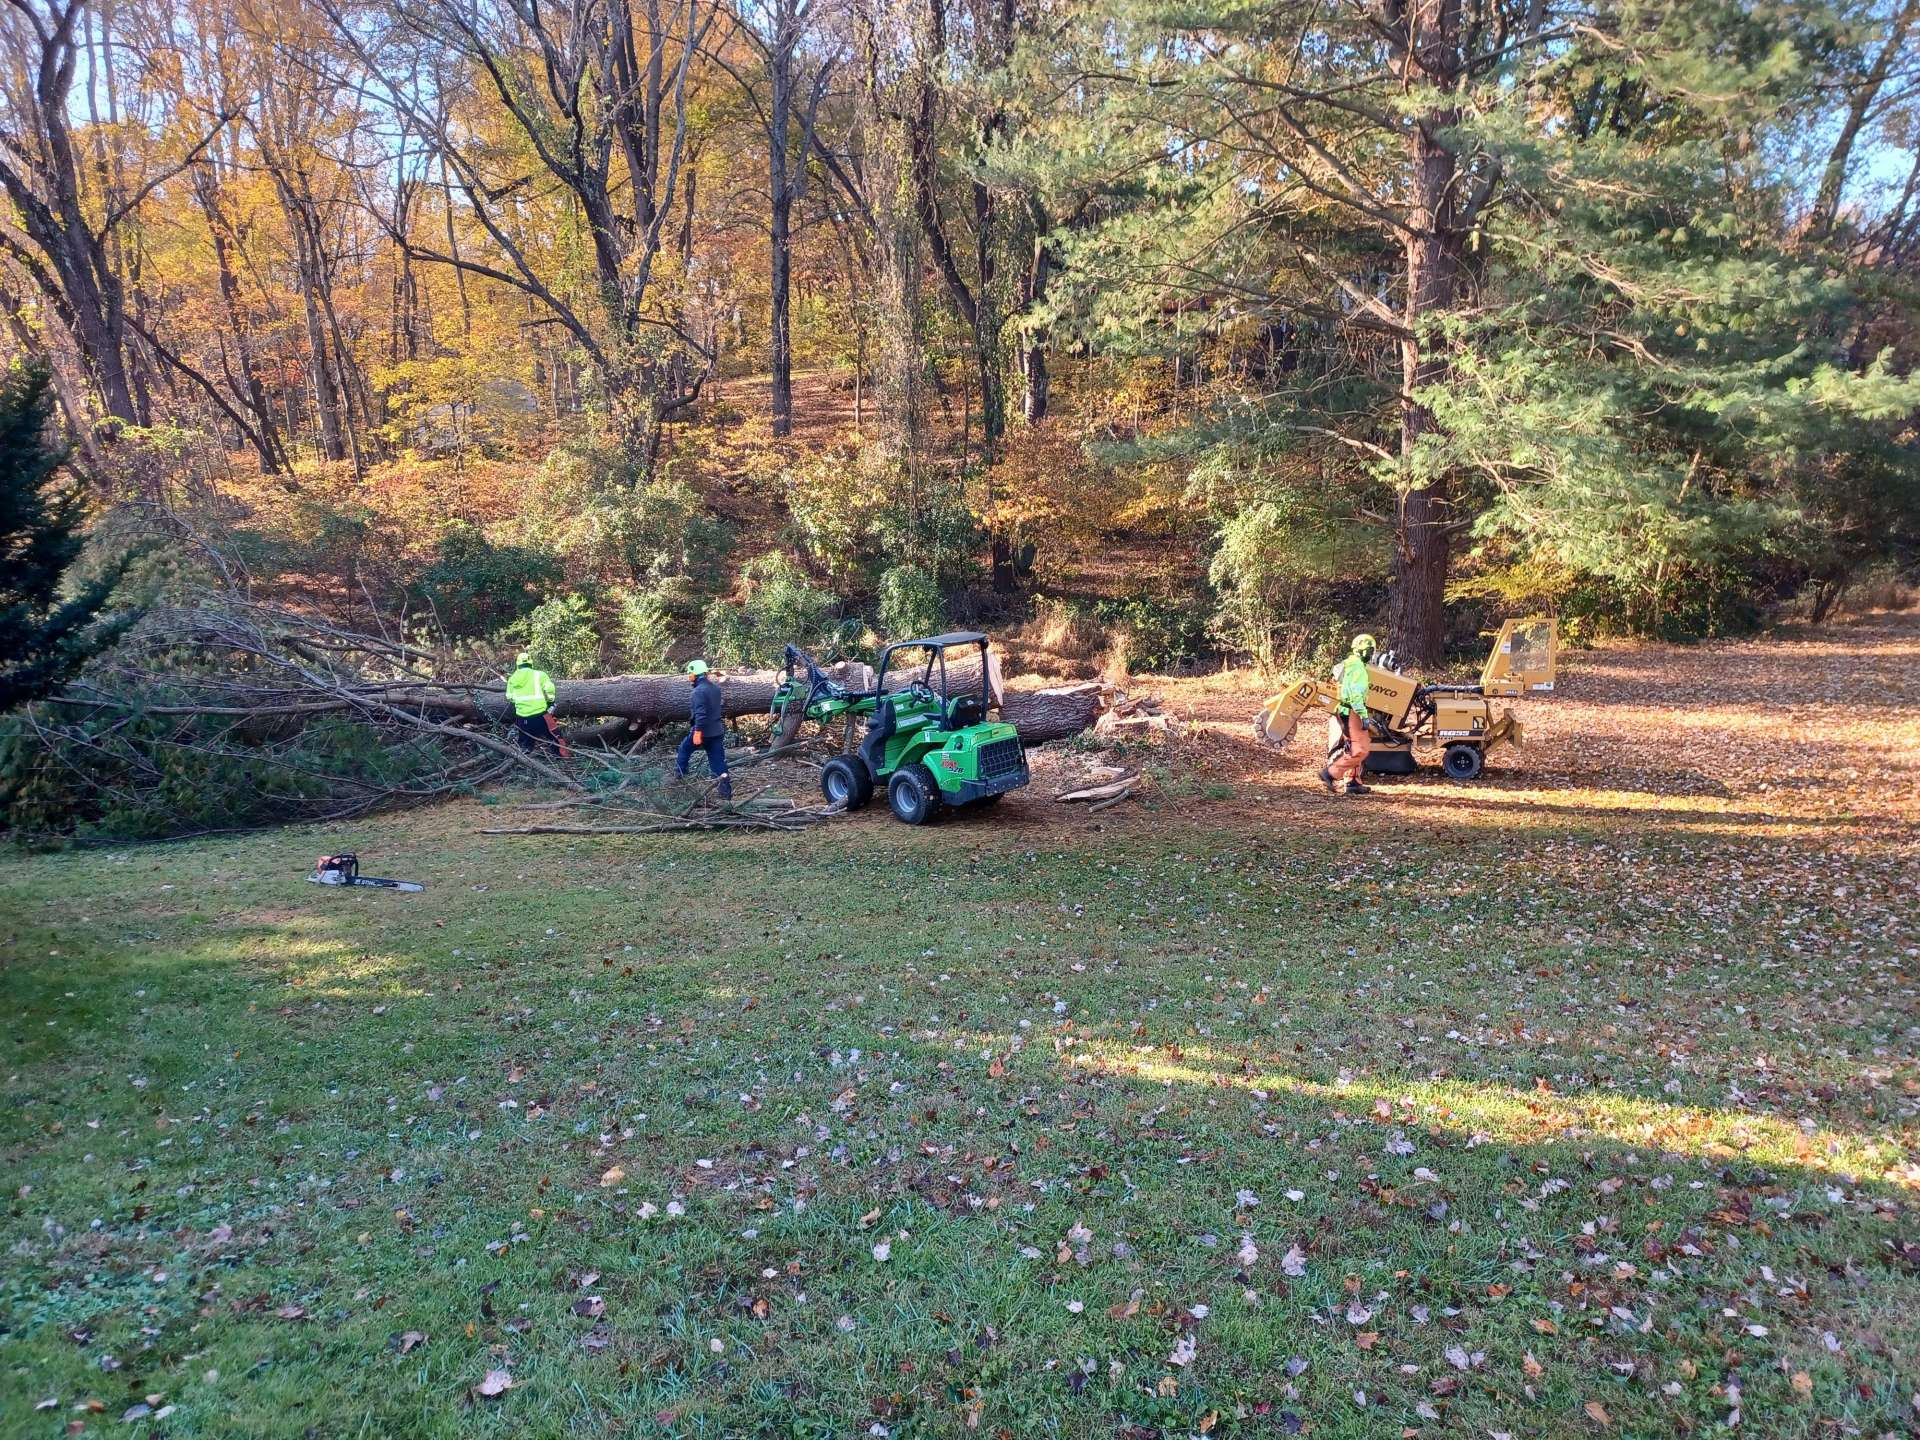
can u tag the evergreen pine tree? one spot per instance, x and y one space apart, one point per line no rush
44 638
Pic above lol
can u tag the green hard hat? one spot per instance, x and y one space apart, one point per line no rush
525 657
1364 642
696 667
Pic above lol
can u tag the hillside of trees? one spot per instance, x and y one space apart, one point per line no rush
634 329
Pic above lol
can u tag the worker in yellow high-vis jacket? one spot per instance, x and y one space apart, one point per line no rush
530 692
1351 679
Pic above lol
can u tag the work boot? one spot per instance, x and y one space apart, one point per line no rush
726 789
1326 779
1354 787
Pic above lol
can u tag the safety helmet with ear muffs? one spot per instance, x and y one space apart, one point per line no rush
1365 645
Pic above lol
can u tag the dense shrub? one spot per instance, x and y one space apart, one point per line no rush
1272 566
1155 632
563 636
592 507
642 628
778 605
909 603
933 529
115 775
475 586
832 500
856 515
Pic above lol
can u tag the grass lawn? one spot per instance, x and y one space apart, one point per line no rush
1504 1112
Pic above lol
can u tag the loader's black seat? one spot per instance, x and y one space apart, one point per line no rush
880 729
966 710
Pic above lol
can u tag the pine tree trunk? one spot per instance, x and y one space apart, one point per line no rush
1033 349
1416 608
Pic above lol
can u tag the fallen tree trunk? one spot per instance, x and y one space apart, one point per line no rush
647 700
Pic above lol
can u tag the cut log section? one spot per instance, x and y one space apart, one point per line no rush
1134 716
1112 790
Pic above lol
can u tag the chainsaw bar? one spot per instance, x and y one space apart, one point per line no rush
375 881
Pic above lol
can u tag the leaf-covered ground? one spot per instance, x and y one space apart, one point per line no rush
1581 1101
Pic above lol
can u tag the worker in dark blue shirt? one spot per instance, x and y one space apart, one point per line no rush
708 730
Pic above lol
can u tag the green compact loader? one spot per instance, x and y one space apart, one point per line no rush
929 740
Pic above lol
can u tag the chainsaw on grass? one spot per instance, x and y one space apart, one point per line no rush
345 870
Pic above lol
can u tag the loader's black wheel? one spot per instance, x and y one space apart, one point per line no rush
846 781
912 795
1463 762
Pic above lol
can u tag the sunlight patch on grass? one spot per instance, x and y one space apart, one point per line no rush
307 960
1491 1113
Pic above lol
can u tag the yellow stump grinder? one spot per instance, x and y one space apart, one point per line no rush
1414 724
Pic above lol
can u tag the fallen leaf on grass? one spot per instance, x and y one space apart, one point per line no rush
1546 1327
1294 1262
883 1251
871 1216
410 1340
1598 1413
1802 1383
291 1312
613 1177
591 1308
1184 1349
497 1383
1366 1339
1532 1366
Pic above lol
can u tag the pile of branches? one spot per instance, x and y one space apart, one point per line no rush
223 714
641 815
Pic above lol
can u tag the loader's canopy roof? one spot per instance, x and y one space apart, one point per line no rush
952 637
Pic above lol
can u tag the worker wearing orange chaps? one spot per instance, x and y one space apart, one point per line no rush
1350 676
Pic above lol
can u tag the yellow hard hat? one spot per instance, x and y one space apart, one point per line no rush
525 657
1364 642
696 667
